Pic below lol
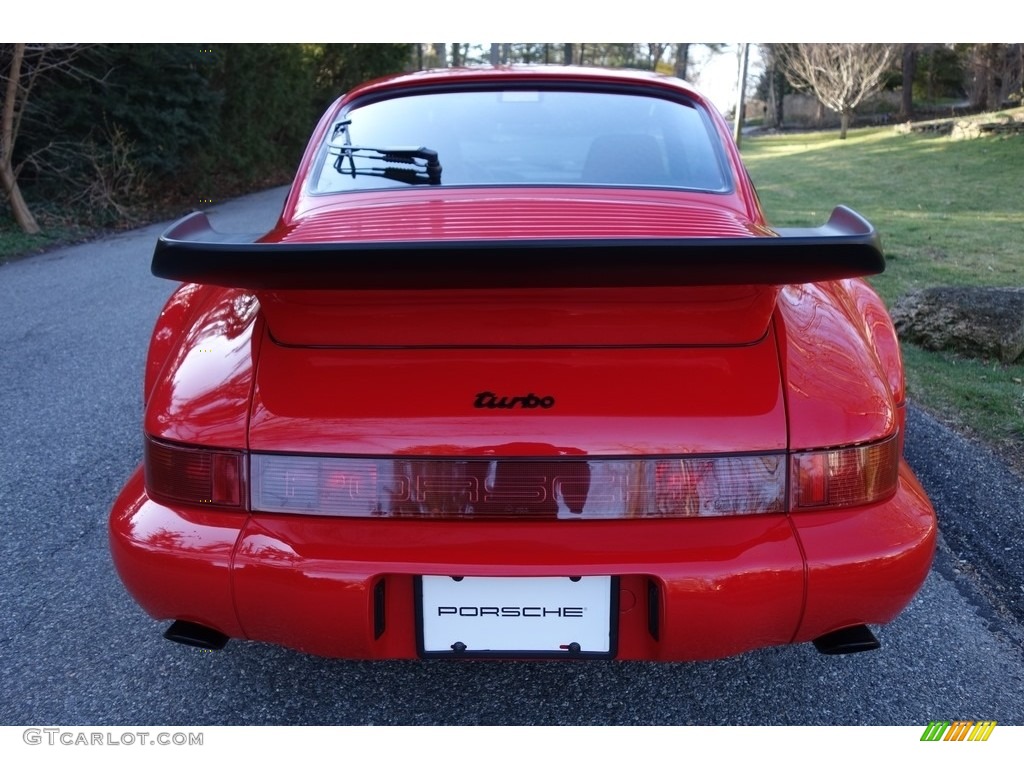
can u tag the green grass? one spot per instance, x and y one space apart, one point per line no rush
950 213
14 243
983 399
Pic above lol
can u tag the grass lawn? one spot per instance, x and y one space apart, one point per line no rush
950 213
14 243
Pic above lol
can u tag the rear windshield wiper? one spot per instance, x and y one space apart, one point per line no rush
419 164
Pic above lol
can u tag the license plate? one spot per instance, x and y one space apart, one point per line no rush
523 617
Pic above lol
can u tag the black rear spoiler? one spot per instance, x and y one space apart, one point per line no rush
846 246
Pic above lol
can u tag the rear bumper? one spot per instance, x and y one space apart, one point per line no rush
688 589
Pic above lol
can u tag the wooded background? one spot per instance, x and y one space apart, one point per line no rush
109 134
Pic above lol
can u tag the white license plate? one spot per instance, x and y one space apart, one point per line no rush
517 616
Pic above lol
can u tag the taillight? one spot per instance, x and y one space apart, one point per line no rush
198 476
592 489
612 488
845 477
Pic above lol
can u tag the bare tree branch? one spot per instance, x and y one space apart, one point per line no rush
29 62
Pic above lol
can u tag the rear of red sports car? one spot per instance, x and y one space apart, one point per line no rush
522 372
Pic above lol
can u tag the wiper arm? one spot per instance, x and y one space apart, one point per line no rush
426 169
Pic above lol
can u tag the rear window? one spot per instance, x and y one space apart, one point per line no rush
521 137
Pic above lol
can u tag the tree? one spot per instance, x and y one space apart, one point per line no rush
995 73
442 56
909 72
341 66
841 75
773 85
654 53
25 64
939 72
15 94
111 128
741 88
682 63
683 66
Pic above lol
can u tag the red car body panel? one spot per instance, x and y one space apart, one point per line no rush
724 586
838 392
357 402
675 370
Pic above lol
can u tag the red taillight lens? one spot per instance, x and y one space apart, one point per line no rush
193 475
845 477
690 486
567 488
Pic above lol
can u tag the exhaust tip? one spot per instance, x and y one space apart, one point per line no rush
196 635
847 640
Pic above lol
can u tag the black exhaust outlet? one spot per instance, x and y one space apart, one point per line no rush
196 635
847 640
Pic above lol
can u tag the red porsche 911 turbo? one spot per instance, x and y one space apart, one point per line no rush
523 372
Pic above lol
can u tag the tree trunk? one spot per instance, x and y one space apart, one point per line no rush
456 54
984 89
567 53
779 94
844 123
992 71
741 90
442 55
909 70
656 50
22 215
682 60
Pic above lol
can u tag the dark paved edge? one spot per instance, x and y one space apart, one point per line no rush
982 518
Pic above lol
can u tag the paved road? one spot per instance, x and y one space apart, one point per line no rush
75 650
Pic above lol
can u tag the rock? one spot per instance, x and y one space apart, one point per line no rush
977 322
973 129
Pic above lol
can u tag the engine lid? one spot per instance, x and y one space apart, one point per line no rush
538 402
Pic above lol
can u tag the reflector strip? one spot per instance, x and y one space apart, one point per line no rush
560 488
